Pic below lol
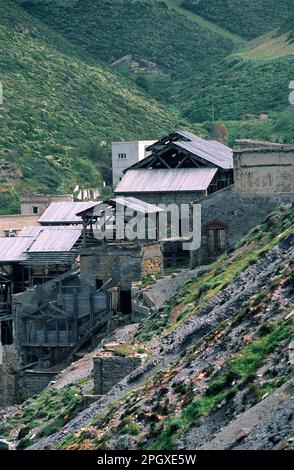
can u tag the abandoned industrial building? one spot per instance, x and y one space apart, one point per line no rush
63 278
180 169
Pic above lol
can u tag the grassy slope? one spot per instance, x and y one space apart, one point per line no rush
253 80
146 29
248 18
59 105
157 422
57 95
209 25
142 428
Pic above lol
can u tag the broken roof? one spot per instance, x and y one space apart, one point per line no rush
64 212
164 180
129 202
211 151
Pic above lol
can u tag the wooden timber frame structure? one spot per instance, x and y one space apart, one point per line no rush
180 150
57 319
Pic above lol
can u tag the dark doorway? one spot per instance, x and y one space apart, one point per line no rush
99 283
126 302
6 332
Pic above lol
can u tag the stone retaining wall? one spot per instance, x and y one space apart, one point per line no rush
110 369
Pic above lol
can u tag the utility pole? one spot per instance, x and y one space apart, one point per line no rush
213 111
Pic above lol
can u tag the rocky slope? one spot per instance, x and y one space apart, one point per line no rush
219 354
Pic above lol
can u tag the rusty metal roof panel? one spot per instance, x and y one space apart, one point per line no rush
12 249
165 180
58 239
64 212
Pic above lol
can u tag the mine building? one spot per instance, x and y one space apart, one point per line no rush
120 262
181 168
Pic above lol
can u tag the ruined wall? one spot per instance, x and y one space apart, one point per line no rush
240 212
9 368
40 201
152 260
110 369
264 170
123 264
31 383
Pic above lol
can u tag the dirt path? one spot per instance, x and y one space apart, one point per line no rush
206 24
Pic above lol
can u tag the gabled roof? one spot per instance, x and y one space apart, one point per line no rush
164 180
210 152
64 212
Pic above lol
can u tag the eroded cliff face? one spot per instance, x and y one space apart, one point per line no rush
218 355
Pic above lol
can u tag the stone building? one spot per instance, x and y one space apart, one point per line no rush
37 203
117 263
263 168
264 180
32 207
181 168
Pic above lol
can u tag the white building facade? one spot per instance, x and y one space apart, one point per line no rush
126 154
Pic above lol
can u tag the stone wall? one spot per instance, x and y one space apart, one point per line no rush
9 368
123 263
41 202
261 168
240 212
110 369
31 383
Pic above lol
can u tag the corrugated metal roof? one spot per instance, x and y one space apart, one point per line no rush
31 231
129 202
12 249
55 240
34 230
164 180
64 212
210 150
136 204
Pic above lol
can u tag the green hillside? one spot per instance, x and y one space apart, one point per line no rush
61 109
237 87
63 104
146 29
250 18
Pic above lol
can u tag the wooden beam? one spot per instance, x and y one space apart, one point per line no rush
164 163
